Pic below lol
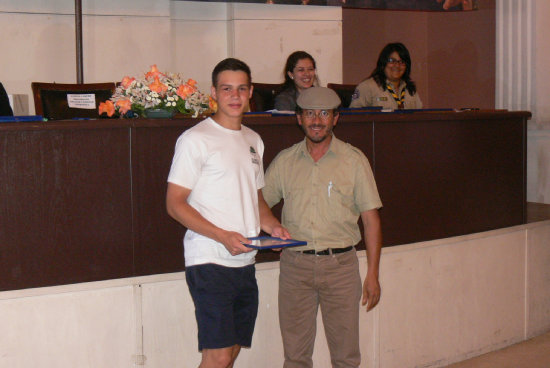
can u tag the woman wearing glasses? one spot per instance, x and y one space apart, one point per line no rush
390 84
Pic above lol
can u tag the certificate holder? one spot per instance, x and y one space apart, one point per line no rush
269 242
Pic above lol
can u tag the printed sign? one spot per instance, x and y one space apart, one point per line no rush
81 101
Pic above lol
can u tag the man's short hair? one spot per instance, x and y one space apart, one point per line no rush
230 64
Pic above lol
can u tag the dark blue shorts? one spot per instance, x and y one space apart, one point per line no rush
226 304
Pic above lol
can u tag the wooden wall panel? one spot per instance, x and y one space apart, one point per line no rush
452 53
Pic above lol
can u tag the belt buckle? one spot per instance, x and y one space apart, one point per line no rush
324 252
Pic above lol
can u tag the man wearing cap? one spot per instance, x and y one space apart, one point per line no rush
326 186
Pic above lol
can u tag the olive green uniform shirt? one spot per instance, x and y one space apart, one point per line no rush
322 200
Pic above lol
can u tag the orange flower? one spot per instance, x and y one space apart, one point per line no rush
154 72
212 104
192 82
158 87
107 107
185 90
124 106
126 81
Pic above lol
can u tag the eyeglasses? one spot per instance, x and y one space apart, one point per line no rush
311 114
396 61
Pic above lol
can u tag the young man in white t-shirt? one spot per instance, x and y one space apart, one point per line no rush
214 190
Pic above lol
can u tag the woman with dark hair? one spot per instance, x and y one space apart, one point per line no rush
390 84
300 74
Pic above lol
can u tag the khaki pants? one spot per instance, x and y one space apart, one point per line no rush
308 281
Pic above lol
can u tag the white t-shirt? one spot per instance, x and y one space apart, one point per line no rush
224 170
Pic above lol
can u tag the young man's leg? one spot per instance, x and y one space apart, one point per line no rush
226 305
220 358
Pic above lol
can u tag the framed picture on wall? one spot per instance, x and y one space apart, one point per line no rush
419 5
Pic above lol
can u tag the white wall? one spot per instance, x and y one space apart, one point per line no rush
280 30
125 37
442 301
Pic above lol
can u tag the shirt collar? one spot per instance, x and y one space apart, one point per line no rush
333 149
402 84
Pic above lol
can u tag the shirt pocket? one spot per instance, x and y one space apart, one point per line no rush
341 202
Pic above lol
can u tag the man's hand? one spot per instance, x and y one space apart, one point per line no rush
280 232
371 292
233 242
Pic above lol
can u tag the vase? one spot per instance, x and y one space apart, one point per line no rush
158 113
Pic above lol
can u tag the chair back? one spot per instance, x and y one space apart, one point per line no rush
58 101
263 96
344 91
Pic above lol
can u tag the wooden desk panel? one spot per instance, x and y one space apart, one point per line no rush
445 178
64 207
85 201
159 238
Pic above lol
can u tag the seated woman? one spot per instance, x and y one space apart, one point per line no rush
300 74
390 84
5 108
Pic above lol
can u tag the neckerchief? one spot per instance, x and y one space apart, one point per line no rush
400 100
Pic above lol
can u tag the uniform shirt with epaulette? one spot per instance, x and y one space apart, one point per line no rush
322 200
369 93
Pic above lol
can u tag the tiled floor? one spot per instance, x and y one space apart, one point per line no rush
533 353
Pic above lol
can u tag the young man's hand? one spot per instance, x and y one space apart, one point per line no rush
233 242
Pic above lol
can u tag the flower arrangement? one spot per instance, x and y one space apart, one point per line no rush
156 90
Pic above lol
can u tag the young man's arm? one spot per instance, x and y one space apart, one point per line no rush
181 211
268 222
373 241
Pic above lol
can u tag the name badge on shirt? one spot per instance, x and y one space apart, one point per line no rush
381 99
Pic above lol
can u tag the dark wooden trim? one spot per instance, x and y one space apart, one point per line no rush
84 200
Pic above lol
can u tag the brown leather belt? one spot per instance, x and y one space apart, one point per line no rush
327 251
